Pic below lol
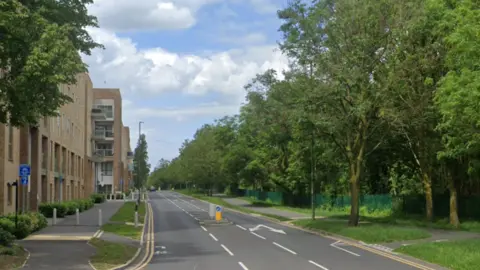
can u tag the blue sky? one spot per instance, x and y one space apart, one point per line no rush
181 63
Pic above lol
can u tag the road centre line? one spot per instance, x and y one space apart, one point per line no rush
318 265
241 227
259 236
243 266
334 245
227 250
203 228
284 248
213 236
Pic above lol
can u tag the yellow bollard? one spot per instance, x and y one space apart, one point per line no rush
218 213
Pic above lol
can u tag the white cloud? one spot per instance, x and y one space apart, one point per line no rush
128 15
251 38
153 71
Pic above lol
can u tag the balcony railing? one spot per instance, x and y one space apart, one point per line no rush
98 113
104 152
102 134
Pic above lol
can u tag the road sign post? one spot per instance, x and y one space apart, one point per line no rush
218 213
24 173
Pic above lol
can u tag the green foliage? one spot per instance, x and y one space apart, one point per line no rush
381 98
141 167
98 198
40 43
69 207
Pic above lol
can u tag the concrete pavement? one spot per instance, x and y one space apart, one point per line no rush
64 246
182 243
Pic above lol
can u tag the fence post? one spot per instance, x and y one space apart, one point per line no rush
54 221
77 213
100 217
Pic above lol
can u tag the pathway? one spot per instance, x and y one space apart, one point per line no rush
64 246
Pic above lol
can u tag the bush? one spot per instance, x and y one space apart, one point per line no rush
24 225
39 221
98 198
47 209
6 238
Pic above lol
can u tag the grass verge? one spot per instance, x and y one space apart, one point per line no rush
124 230
456 255
379 216
110 255
12 257
369 232
126 213
220 201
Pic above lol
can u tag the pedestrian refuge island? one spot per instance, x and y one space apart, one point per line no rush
215 213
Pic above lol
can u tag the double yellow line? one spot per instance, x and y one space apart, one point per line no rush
149 242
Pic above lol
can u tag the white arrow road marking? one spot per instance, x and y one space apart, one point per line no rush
256 228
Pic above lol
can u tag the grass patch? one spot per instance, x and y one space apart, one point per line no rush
369 233
124 230
110 255
12 257
220 201
378 216
126 213
456 255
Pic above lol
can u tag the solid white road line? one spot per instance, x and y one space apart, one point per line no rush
241 227
259 236
318 265
243 266
100 234
284 248
342 249
213 236
203 228
227 250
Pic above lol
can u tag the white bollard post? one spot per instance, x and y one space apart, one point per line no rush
136 219
54 221
77 213
211 211
100 217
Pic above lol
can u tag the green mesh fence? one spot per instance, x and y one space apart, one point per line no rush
468 206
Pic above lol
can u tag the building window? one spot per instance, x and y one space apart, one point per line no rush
10 143
9 194
107 168
107 109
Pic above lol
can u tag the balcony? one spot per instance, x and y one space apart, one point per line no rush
100 155
98 114
102 135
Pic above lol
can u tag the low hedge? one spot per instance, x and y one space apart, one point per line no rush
65 208
26 224
98 198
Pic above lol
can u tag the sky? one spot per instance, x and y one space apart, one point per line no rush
181 63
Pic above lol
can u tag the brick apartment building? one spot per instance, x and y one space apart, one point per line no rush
65 153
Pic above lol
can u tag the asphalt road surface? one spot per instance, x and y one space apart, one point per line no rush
181 243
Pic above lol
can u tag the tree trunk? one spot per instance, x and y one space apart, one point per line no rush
355 201
427 184
454 221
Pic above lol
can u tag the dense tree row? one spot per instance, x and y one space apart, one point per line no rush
382 96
